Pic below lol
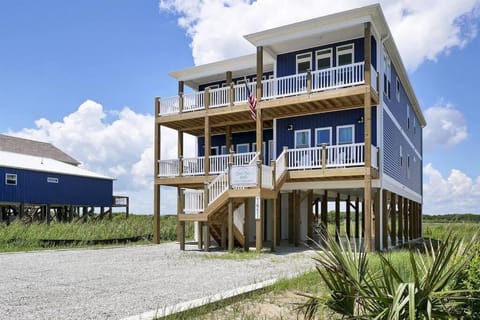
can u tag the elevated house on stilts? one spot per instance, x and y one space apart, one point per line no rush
323 113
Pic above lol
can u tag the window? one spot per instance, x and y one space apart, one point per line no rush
214 86
345 134
408 166
345 55
401 157
302 139
387 75
397 88
271 152
243 148
324 59
11 179
254 149
52 180
213 150
408 116
223 150
304 62
323 135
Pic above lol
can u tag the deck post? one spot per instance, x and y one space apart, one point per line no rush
207 148
206 234
259 207
182 235
393 219
309 214
296 218
180 206
200 234
368 141
405 221
228 139
411 226
228 78
309 81
223 235
230 225
156 170
180 96
324 158
290 216
277 208
348 218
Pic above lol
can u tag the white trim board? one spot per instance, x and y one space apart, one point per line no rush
394 186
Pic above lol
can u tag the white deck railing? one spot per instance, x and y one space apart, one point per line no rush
280 165
326 79
217 187
239 217
373 78
347 155
305 158
244 158
193 201
219 163
168 168
267 177
193 166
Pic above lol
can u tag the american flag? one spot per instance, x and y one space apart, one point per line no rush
252 101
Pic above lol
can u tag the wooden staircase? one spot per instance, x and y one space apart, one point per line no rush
220 217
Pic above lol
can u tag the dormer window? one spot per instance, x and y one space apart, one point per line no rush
324 59
345 54
304 62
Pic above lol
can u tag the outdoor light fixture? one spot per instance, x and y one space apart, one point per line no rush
290 127
360 120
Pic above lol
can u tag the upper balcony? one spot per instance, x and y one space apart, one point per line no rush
310 85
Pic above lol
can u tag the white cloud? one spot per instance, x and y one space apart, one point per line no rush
122 149
445 127
422 29
457 193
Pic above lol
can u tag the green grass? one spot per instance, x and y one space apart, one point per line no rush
19 236
439 231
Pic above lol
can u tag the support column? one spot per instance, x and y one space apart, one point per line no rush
278 212
405 220
259 205
156 187
357 218
182 235
411 226
348 217
223 235
420 217
230 225
228 138
274 224
180 95
200 234
180 224
384 215
207 147
393 219
309 214
290 217
337 217
400 219
206 234
378 226
368 141
296 218
259 223
324 214
246 226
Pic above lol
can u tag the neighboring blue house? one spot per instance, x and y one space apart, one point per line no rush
339 125
49 183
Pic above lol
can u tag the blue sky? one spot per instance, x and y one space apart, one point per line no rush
83 75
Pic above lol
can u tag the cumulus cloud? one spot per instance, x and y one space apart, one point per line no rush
457 193
422 29
121 148
446 127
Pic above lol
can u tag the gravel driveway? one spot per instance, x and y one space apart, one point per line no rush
119 282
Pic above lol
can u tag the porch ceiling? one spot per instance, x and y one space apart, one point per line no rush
238 116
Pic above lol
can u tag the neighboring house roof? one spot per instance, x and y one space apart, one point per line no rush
34 148
239 66
43 164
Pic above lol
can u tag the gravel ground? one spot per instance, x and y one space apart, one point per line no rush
119 282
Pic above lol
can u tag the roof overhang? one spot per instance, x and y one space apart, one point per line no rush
211 72
330 28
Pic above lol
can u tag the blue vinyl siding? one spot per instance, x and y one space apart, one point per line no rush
32 187
237 138
286 137
393 139
286 63
221 82
399 110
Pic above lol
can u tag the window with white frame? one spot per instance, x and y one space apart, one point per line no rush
323 136
401 157
271 151
304 62
346 134
52 180
324 59
243 148
10 179
302 139
397 89
223 150
387 75
408 116
254 149
345 54
408 166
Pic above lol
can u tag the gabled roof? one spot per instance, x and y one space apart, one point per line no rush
34 148
308 33
43 164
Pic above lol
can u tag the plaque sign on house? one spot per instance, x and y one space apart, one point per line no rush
243 176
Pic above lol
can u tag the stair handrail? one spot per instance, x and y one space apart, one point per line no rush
280 165
218 186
